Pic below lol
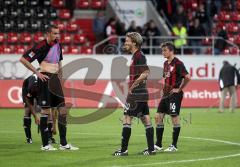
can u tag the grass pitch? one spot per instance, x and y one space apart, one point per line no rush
207 138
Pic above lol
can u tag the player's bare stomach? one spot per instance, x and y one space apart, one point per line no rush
49 67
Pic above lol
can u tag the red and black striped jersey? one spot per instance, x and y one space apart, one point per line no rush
40 50
173 73
137 67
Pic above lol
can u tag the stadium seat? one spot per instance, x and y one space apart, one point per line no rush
2 37
226 51
82 4
236 16
27 14
64 14
58 3
25 38
6 49
86 50
65 49
38 37
66 39
207 41
224 16
61 24
12 37
79 39
52 13
237 40
73 50
234 51
232 28
20 49
47 3
72 27
20 26
33 3
97 4
231 38
208 51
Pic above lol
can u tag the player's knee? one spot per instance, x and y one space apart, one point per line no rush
45 111
62 119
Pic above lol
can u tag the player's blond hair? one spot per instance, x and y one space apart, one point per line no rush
135 38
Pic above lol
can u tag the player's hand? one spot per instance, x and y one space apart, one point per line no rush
37 120
42 76
175 91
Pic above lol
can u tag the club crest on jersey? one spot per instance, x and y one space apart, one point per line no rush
31 54
171 68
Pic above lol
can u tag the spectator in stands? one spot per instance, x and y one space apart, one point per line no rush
132 27
152 31
120 27
220 43
110 30
99 27
229 78
180 32
179 16
201 14
196 30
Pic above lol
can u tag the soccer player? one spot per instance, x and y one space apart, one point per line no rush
136 103
29 96
49 55
176 78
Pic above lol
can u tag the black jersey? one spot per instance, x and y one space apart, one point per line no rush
30 87
40 50
173 73
137 67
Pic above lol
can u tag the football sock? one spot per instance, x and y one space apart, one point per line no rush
126 133
27 127
50 125
62 128
149 136
176 131
159 134
44 129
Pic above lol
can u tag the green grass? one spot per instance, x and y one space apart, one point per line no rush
97 140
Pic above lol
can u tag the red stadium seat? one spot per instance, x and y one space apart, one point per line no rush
236 16
82 4
79 39
86 50
72 27
97 4
224 16
231 38
65 49
207 41
73 50
2 37
226 51
12 38
6 49
237 39
208 51
61 25
234 51
66 39
20 49
25 38
38 37
58 3
232 28
64 14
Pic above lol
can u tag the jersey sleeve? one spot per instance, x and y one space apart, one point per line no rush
32 53
182 70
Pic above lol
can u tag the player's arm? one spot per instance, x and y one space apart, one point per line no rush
141 78
184 83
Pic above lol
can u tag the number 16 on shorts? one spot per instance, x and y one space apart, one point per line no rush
173 107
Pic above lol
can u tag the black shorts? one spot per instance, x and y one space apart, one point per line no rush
50 92
171 104
27 100
136 105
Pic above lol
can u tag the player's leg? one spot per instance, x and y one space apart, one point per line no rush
233 100
27 124
50 127
159 117
62 127
222 99
126 133
143 106
174 106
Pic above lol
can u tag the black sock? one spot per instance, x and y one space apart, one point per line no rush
176 131
50 125
62 128
126 133
159 134
27 127
149 136
44 129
